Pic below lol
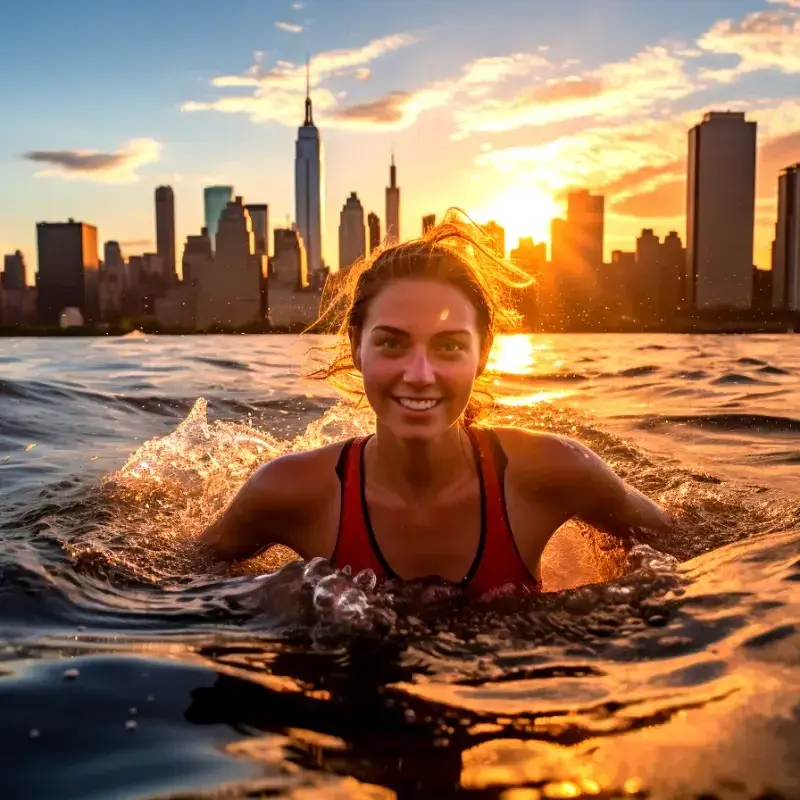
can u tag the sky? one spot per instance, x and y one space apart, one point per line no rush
498 108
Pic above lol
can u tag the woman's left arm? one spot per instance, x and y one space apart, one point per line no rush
587 485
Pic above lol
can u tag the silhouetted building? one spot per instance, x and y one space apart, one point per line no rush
392 207
352 238
309 187
647 277
165 231
114 283
14 273
532 301
762 289
721 212
428 222
68 275
586 228
230 290
673 271
497 237
293 299
215 201
196 253
374 225
259 218
786 253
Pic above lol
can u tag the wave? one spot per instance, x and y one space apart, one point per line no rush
728 422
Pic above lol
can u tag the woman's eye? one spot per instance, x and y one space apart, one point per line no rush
389 344
452 347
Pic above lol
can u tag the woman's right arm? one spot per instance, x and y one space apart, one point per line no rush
278 504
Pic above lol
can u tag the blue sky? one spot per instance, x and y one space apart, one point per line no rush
496 107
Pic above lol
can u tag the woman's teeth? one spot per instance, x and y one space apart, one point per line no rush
417 405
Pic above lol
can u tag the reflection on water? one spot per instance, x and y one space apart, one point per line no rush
514 355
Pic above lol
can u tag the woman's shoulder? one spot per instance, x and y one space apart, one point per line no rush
537 454
306 474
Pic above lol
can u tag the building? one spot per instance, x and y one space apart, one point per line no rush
374 225
352 237
586 229
720 212
428 223
114 283
497 237
309 187
68 275
215 201
230 288
392 207
532 301
14 272
673 270
293 300
259 218
786 251
165 230
197 253
645 284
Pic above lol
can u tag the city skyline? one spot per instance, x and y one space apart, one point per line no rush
503 127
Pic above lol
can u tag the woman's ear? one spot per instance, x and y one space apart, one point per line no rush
355 347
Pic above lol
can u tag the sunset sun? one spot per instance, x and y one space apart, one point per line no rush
522 211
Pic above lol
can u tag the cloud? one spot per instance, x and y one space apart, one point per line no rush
762 40
389 109
615 90
297 6
362 74
120 166
136 244
289 27
276 93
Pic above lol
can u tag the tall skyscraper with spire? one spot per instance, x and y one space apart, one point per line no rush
392 207
309 185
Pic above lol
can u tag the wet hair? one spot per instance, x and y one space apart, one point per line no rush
458 252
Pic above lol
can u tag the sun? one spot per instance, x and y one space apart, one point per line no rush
523 210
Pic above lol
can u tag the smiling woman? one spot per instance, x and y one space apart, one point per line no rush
524 210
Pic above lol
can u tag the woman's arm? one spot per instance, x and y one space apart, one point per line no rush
587 486
279 504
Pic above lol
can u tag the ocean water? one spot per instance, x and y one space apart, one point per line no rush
131 668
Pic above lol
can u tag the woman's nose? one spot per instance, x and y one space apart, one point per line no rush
419 369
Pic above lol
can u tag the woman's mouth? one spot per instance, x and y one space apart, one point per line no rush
417 403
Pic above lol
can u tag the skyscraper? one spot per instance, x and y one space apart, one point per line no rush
428 222
352 239
374 225
497 237
309 181
230 290
786 253
165 230
196 251
68 270
720 212
215 199
392 207
259 217
586 226
14 271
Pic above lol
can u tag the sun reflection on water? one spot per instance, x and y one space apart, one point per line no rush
514 355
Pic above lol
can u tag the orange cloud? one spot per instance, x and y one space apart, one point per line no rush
614 90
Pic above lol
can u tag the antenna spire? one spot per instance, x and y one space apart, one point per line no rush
309 120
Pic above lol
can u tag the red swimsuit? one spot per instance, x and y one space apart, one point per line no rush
497 562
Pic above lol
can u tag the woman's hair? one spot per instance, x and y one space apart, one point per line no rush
456 251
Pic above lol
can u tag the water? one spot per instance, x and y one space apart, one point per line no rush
131 668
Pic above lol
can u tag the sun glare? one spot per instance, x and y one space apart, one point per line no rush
513 355
522 211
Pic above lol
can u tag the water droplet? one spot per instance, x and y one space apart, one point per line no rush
410 715
150 698
71 674
133 711
34 733
131 725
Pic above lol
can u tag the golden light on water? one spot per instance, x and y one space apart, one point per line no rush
514 355
533 398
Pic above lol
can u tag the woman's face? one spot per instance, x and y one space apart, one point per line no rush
419 355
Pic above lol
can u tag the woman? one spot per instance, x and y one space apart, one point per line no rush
431 493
